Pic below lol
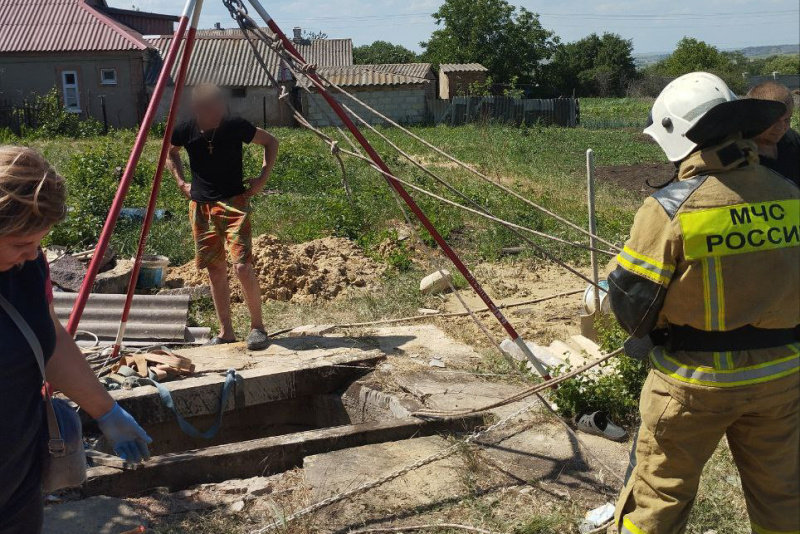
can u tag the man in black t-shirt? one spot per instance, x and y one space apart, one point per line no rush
220 202
779 146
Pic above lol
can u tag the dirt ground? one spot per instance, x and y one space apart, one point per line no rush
322 269
543 322
635 177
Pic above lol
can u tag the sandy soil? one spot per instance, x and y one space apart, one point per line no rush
323 269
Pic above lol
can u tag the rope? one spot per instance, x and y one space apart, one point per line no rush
451 188
547 384
444 453
423 527
459 162
305 123
245 24
477 212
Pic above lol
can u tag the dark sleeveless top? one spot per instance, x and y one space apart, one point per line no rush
22 435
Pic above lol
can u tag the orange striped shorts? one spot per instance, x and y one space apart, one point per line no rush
216 223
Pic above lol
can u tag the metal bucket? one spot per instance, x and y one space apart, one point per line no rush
588 298
153 272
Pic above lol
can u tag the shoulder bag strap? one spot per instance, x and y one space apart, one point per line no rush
56 444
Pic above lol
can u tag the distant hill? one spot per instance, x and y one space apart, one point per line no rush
643 60
770 50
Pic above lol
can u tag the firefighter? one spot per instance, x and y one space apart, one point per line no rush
711 273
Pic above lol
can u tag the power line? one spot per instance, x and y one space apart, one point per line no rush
597 16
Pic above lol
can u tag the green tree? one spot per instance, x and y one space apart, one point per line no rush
692 55
786 64
382 52
494 33
593 66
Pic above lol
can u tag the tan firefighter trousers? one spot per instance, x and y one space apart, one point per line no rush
682 424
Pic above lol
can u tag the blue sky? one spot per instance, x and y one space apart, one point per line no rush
654 25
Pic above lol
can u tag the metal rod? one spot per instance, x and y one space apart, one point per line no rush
127 176
373 154
172 115
592 227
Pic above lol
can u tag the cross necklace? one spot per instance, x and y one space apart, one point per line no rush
209 141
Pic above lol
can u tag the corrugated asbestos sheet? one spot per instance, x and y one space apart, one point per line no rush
224 57
462 67
154 318
61 26
376 75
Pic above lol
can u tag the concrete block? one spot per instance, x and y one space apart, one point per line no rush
115 280
266 455
436 282
98 515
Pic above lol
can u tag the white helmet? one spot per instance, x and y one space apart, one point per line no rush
680 119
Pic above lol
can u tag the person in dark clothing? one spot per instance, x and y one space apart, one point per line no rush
219 207
779 146
32 199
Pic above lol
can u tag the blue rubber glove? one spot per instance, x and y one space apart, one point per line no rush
126 436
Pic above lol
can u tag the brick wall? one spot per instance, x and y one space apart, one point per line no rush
406 104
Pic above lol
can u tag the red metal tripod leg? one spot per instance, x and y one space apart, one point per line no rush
127 176
180 82
337 108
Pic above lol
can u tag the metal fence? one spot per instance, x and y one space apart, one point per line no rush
468 109
792 81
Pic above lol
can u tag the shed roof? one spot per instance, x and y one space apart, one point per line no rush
62 26
462 67
224 57
376 75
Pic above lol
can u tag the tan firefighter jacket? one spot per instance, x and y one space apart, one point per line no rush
718 250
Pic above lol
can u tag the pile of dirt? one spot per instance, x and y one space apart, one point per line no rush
323 269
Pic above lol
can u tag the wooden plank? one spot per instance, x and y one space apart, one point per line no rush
200 395
264 456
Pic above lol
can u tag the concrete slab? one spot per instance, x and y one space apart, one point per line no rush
442 390
259 456
548 453
424 341
96 515
287 380
334 472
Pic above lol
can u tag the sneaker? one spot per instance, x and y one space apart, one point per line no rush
257 340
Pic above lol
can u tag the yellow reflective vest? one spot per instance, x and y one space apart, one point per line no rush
716 251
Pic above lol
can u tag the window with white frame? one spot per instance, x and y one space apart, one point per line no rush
108 76
69 84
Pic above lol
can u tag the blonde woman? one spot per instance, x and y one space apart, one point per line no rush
32 200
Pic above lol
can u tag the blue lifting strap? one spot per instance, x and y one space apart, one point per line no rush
188 429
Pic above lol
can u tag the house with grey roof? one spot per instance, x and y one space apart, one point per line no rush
398 91
224 57
92 54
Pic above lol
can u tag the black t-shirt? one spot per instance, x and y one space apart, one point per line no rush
788 161
215 157
21 405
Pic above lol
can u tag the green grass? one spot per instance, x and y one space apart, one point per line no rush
306 199
615 112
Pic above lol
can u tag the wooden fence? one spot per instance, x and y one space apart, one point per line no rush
16 116
467 109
